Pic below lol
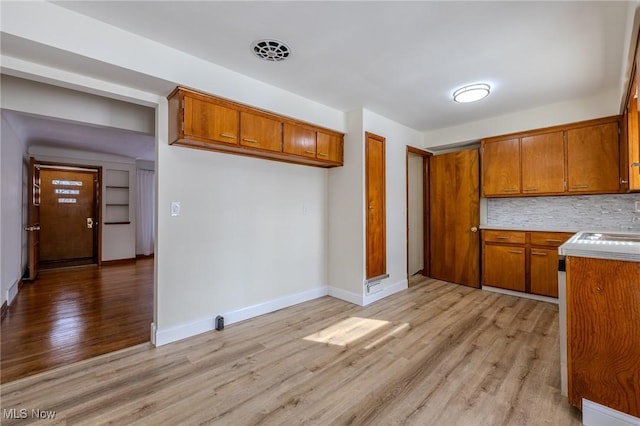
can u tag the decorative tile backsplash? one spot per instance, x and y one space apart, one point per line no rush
614 212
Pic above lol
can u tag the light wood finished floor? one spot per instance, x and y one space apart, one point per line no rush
68 315
441 354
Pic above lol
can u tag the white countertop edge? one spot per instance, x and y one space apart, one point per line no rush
624 253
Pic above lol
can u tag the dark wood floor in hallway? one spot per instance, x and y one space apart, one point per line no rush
73 314
435 354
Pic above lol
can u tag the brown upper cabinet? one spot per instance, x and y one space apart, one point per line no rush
260 132
542 163
593 159
575 158
630 160
501 167
202 121
208 121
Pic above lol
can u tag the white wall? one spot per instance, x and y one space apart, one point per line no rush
118 241
346 219
50 101
596 106
416 214
12 166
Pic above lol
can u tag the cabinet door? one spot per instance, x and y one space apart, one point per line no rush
329 147
299 140
542 163
544 271
260 132
593 162
501 167
504 267
205 120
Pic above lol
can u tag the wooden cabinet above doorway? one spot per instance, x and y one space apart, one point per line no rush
199 120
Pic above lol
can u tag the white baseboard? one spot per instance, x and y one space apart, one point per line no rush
364 300
521 294
12 292
388 290
347 296
594 414
173 334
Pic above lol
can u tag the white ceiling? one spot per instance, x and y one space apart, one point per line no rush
399 59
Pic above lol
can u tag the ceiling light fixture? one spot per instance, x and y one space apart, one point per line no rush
270 50
471 93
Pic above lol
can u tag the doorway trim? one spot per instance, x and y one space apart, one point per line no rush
425 206
97 242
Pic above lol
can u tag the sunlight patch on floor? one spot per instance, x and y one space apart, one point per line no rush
346 331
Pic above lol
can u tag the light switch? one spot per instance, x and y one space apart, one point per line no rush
175 208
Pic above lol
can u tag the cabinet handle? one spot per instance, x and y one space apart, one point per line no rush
579 186
509 190
635 164
227 135
250 140
531 189
551 240
537 253
515 251
323 154
310 152
501 237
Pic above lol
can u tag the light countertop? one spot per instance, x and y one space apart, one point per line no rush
616 247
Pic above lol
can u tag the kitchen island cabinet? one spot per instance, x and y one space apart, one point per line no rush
603 333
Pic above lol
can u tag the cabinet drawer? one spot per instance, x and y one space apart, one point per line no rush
510 237
549 239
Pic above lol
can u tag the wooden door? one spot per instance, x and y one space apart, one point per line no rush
376 242
543 163
67 215
593 162
454 210
33 220
501 167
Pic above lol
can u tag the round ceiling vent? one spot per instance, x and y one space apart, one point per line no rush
271 50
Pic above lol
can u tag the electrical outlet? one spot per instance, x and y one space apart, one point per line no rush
175 208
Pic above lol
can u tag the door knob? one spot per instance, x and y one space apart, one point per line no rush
474 229
90 222
370 207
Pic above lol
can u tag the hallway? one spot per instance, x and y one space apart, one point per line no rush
78 313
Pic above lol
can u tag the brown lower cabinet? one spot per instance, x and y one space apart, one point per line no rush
524 261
